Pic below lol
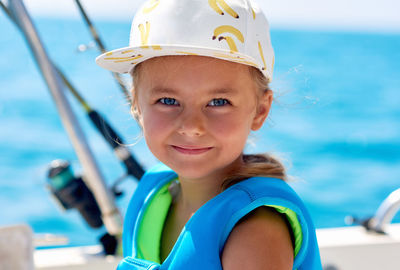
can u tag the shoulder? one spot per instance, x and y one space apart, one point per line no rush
261 240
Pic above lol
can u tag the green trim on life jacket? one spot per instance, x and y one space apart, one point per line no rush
294 223
152 224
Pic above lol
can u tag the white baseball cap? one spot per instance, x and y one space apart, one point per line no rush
232 30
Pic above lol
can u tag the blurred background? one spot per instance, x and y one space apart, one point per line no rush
335 121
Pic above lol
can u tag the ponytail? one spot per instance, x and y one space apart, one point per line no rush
256 165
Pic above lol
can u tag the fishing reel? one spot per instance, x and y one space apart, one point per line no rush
71 192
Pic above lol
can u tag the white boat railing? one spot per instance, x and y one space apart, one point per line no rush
386 212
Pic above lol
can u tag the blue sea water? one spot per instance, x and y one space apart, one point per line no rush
335 121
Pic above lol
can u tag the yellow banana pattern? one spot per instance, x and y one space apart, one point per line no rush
232 57
213 4
124 59
231 43
225 6
228 29
228 33
186 53
144 35
127 51
152 4
262 55
252 11
236 58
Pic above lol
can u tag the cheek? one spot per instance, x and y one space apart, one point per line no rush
156 125
233 128
152 123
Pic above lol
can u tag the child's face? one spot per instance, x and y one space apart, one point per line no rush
197 112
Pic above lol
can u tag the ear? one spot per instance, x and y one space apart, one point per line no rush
263 107
136 112
139 116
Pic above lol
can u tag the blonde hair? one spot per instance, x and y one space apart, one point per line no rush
253 164
257 164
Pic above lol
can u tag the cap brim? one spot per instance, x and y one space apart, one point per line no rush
124 59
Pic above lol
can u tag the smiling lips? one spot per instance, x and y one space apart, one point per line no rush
191 150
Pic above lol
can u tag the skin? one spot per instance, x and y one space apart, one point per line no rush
260 241
196 114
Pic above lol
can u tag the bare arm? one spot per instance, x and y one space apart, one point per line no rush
260 241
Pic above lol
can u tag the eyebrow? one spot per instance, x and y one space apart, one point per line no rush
171 91
223 91
162 90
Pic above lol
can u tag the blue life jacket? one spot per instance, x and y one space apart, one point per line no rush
202 240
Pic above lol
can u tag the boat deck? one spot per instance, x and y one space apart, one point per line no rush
341 249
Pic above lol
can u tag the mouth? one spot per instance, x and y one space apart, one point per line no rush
191 150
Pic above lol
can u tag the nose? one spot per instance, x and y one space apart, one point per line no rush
191 123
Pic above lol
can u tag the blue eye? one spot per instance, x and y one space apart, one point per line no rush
219 102
168 101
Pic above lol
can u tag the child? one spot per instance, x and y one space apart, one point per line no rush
200 73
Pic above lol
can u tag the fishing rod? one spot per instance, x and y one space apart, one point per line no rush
105 211
109 134
102 48
133 168
6 11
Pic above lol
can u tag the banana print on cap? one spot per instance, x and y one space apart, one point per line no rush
186 53
231 57
171 23
225 6
252 10
235 58
144 35
228 29
124 59
152 4
262 55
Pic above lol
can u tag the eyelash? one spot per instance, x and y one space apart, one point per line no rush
166 101
173 102
224 100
